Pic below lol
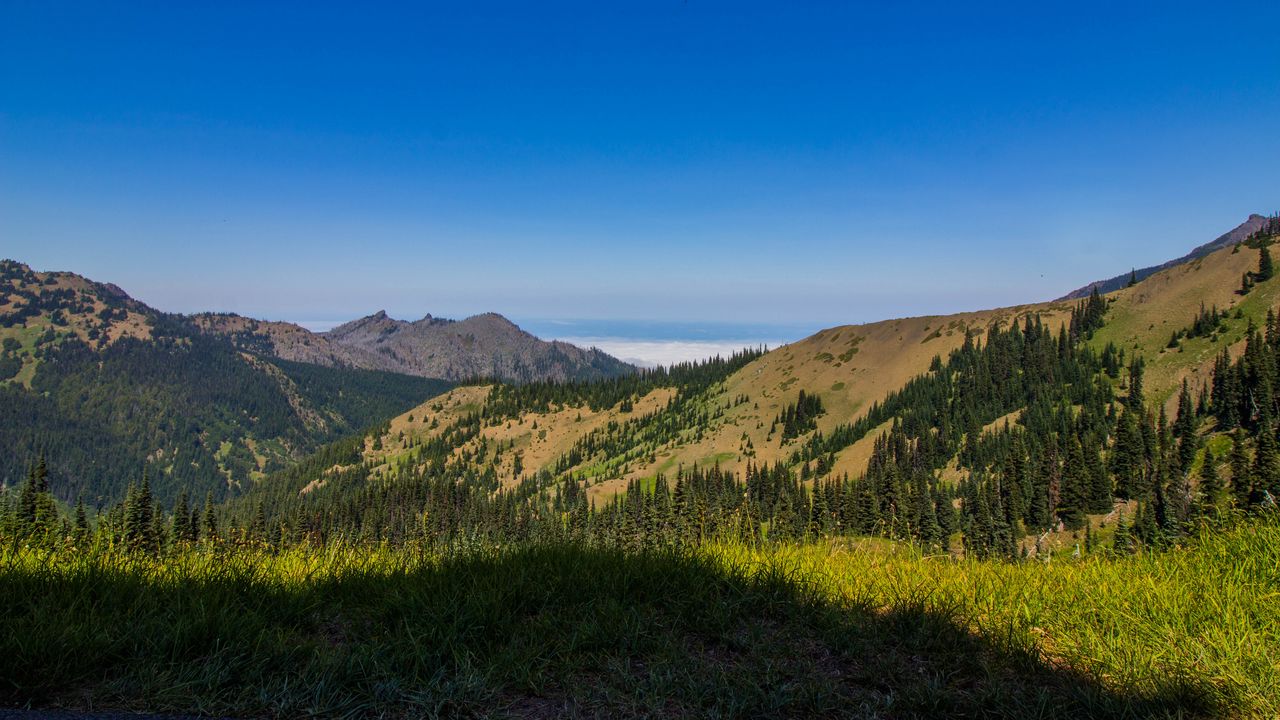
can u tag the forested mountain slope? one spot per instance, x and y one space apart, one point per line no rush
1037 427
107 388
754 415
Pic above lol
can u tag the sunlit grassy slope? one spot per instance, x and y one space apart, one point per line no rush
852 367
833 630
1143 317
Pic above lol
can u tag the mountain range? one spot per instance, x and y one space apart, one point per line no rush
482 346
108 387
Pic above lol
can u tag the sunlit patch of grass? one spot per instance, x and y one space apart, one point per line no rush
846 628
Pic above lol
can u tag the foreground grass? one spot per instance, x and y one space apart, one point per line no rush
820 631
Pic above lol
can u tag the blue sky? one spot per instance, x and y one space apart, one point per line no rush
790 165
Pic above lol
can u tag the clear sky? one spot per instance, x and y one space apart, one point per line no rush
800 164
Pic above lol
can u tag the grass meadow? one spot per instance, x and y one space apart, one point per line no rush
843 629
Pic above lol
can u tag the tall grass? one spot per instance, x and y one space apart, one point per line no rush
840 629
1205 621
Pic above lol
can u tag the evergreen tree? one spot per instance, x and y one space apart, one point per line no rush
1241 480
82 520
180 528
1265 471
1210 490
210 519
139 512
1127 455
1184 429
1122 541
1075 488
1135 400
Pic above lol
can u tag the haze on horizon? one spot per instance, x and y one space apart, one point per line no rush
746 163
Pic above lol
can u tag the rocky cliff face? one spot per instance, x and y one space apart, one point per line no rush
488 346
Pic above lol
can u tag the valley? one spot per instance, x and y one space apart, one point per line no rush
1012 483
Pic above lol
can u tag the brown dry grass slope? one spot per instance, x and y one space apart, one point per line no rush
1142 318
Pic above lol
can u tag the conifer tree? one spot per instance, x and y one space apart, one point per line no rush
1210 490
927 528
1122 541
82 517
139 515
210 519
1101 490
1135 400
1075 485
181 520
1265 471
1145 524
1241 482
1184 429
980 531
1127 455
27 503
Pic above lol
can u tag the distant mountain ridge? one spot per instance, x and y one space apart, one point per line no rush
487 345
1235 235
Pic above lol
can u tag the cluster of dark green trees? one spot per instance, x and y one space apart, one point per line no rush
10 360
1266 266
1208 323
140 522
977 385
31 513
1245 399
799 417
57 302
690 378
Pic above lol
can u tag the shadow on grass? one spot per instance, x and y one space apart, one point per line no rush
538 632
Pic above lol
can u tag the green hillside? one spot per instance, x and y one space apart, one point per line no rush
106 388
1041 428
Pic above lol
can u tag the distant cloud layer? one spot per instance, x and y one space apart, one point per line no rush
650 353
320 325
645 352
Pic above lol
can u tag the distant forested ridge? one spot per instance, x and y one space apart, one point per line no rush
105 388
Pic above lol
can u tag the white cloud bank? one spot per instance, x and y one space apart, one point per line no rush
649 353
